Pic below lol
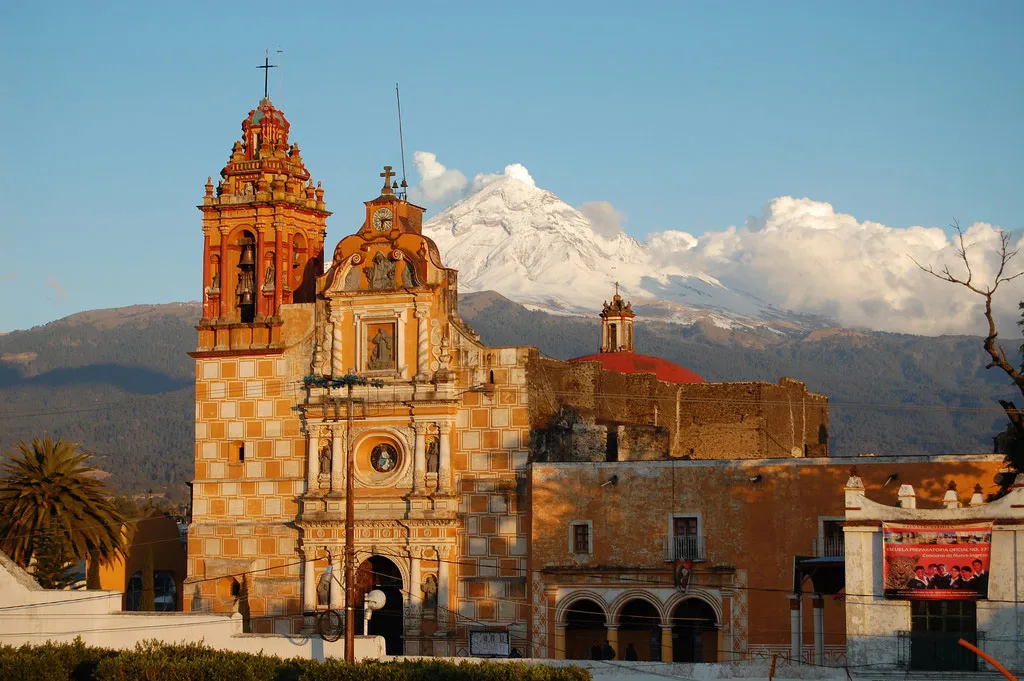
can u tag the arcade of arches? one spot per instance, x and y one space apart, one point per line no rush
638 629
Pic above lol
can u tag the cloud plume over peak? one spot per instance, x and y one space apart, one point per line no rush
802 255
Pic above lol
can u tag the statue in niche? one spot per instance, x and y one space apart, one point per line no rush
429 593
433 451
215 281
268 280
409 276
247 190
325 458
382 274
382 355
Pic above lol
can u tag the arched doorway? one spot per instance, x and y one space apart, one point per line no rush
377 572
584 627
639 626
694 632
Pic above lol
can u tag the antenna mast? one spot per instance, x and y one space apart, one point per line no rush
401 140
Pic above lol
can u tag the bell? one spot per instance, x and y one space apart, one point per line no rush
245 298
247 259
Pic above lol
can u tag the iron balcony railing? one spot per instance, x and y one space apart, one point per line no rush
685 547
829 547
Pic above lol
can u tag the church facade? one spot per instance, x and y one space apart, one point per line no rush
492 486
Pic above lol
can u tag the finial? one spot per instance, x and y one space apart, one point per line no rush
616 289
951 485
854 472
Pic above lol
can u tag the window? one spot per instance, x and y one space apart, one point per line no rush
686 541
241 452
831 541
580 537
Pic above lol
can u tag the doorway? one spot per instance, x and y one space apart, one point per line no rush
694 632
377 572
584 629
936 628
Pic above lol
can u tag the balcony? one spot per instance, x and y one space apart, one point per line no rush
829 547
686 547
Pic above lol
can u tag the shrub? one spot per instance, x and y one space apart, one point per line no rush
156 661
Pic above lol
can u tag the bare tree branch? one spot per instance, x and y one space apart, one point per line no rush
995 350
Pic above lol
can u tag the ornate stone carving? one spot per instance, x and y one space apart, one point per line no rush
382 274
384 458
382 357
433 451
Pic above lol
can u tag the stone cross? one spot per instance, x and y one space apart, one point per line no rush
387 175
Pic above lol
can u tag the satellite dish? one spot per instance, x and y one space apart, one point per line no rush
374 600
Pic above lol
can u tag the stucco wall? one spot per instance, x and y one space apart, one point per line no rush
754 527
33 615
872 621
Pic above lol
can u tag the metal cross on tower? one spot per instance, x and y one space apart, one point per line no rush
266 66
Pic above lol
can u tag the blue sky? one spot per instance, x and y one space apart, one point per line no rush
684 116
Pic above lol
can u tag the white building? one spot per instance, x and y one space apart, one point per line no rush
907 605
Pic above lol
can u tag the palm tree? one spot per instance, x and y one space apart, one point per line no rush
48 491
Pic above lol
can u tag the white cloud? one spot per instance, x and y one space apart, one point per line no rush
515 170
438 183
604 218
802 255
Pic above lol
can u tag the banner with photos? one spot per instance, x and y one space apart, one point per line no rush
936 562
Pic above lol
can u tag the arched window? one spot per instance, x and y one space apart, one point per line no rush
133 593
165 591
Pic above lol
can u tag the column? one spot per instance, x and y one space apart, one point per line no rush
795 634
613 640
221 307
260 273
312 459
559 642
309 580
819 629
337 578
666 643
415 595
423 341
419 461
338 460
444 458
444 554
282 266
336 360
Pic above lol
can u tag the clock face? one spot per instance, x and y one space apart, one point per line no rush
383 218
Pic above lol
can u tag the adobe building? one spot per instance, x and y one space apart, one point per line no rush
495 490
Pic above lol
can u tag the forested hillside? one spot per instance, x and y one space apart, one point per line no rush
120 382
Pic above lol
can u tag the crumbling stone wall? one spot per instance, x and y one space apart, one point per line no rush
743 420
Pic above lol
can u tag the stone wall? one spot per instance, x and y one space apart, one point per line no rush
748 420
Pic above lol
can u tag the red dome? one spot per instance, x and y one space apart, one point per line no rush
632 363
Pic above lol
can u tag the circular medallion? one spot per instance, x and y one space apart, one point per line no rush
384 458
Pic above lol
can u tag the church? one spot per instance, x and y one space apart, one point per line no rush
495 490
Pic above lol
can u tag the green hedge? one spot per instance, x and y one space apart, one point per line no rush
154 661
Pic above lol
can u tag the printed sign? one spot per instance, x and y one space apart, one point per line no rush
936 562
489 644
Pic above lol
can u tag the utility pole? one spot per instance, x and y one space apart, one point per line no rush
351 380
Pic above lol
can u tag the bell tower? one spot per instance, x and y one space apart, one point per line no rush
263 234
617 325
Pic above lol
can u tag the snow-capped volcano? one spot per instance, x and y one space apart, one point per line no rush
522 241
